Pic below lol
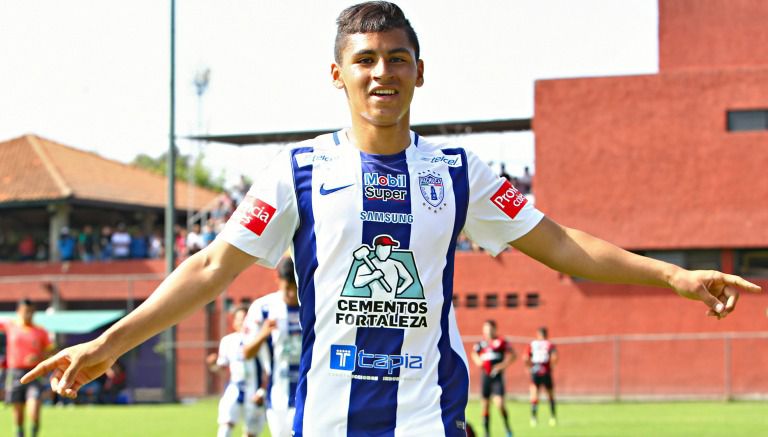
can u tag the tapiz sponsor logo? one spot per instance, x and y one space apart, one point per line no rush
347 357
254 214
385 187
509 199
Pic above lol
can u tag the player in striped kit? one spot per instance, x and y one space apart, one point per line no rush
540 358
273 326
372 362
240 398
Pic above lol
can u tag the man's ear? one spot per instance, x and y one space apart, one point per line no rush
420 72
336 76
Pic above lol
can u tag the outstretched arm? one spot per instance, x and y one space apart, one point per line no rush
197 281
577 253
251 348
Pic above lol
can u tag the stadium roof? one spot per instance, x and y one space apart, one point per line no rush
34 170
448 128
73 321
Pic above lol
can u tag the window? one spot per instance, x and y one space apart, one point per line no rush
512 300
471 301
748 120
532 300
752 263
688 259
491 300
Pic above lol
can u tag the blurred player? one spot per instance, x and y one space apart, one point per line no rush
540 358
27 345
278 314
241 397
372 364
494 355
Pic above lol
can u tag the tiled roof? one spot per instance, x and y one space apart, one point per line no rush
36 169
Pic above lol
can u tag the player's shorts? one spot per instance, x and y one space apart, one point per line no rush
544 379
16 392
235 405
280 421
492 385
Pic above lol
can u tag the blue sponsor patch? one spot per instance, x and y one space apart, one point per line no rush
343 357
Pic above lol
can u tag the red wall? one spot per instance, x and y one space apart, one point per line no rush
712 33
647 162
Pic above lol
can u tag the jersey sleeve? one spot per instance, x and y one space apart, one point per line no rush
253 319
265 221
497 213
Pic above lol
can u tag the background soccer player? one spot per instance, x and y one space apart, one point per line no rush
276 318
493 354
363 370
540 358
27 345
244 381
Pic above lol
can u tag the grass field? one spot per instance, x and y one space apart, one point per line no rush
609 419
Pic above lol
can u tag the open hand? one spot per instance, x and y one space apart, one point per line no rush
719 291
72 368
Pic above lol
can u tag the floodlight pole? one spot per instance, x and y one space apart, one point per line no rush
169 335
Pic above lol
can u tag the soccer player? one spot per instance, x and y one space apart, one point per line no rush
27 345
493 354
540 358
244 382
369 365
277 314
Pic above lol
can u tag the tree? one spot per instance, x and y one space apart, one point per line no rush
201 175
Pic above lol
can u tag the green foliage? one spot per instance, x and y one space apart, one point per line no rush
201 175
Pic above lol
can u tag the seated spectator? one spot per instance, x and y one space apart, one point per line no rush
180 241
525 181
208 233
105 243
86 244
121 243
194 241
116 380
156 245
139 247
27 248
66 245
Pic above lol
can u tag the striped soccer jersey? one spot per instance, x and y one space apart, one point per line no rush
282 351
246 374
373 239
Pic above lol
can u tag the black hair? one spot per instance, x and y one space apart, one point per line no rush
25 302
544 332
285 270
375 16
491 322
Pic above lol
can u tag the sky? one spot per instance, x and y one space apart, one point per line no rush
95 74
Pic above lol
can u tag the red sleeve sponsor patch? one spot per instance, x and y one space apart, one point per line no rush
508 199
254 214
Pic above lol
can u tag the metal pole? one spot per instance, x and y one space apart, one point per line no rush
169 335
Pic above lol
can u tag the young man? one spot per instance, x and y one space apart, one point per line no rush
275 317
369 365
540 358
27 345
244 382
493 354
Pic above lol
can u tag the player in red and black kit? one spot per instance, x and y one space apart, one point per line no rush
540 357
494 355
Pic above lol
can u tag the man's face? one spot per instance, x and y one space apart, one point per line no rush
379 72
383 252
290 294
25 313
489 331
238 319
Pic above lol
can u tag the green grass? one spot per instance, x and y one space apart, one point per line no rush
609 419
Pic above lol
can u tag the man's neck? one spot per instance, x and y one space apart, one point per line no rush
381 140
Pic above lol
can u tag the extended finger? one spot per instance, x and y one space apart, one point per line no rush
43 368
742 283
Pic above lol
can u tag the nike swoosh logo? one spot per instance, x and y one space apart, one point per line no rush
324 192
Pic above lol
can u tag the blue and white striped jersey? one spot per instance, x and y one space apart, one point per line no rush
244 373
281 353
373 239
